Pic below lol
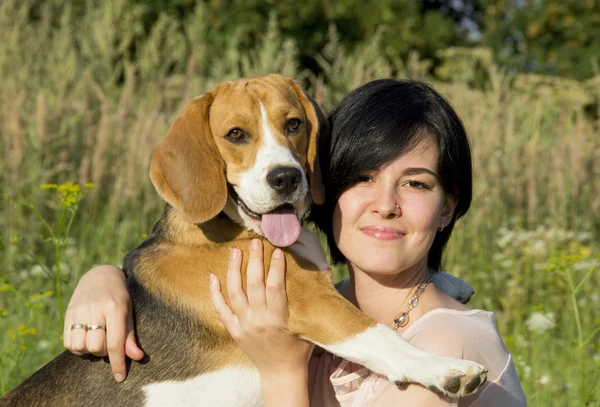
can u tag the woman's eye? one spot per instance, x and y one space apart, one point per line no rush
293 125
417 185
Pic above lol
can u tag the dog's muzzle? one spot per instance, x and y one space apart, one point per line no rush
285 180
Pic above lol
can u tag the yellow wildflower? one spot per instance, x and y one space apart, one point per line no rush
46 294
26 331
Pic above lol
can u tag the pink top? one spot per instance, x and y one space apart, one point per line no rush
470 335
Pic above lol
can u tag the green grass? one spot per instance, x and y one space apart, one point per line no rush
76 107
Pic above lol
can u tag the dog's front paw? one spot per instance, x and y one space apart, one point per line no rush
450 377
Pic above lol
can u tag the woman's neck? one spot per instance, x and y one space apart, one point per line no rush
384 297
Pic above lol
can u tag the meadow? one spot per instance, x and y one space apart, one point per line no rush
80 116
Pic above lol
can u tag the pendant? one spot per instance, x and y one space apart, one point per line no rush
402 320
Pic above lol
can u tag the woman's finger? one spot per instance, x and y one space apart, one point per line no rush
255 277
235 291
78 333
275 290
132 349
67 329
95 340
227 317
116 334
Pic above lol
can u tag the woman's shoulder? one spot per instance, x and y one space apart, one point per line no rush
464 331
472 335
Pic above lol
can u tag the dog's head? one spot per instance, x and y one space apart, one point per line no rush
248 148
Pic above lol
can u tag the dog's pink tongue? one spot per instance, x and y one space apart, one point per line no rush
281 227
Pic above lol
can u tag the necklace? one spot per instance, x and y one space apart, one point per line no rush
402 320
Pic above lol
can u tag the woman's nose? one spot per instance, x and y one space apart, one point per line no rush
387 203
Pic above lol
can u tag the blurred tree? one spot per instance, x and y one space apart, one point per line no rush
560 37
404 25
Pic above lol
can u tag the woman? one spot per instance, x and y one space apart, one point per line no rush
397 173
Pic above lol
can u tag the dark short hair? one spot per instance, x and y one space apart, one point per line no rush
375 124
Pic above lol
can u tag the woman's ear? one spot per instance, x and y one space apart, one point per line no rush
450 202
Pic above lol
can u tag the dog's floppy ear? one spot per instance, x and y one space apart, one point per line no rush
187 169
317 124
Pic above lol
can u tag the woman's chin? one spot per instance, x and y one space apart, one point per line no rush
378 264
383 268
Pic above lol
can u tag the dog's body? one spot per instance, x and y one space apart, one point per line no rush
229 174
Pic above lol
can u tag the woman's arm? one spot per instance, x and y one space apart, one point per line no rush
258 323
411 395
101 298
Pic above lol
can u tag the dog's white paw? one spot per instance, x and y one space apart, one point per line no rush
448 376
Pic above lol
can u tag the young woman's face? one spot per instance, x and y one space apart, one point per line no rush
387 222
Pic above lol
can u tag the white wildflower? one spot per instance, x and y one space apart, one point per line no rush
65 270
70 251
522 343
545 379
37 270
540 322
584 236
498 257
506 237
585 265
537 248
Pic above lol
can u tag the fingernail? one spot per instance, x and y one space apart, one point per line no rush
233 254
277 254
212 277
255 244
118 377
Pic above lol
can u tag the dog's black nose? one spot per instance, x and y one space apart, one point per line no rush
284 180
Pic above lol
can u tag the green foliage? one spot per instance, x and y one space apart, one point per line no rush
407 25
89 89
29 303
545 36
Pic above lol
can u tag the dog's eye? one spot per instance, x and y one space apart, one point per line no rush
236 135
293 125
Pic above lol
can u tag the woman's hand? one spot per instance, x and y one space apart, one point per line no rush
101 298
258 322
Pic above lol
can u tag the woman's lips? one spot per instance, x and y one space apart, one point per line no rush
382 232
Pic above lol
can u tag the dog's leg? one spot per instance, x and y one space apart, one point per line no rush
323 317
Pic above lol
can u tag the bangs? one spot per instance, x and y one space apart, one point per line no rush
365 139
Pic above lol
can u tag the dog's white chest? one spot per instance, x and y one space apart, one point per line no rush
228 387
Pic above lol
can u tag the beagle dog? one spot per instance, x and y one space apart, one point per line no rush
238 162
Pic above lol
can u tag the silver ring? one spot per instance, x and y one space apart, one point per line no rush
78 326
92 327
